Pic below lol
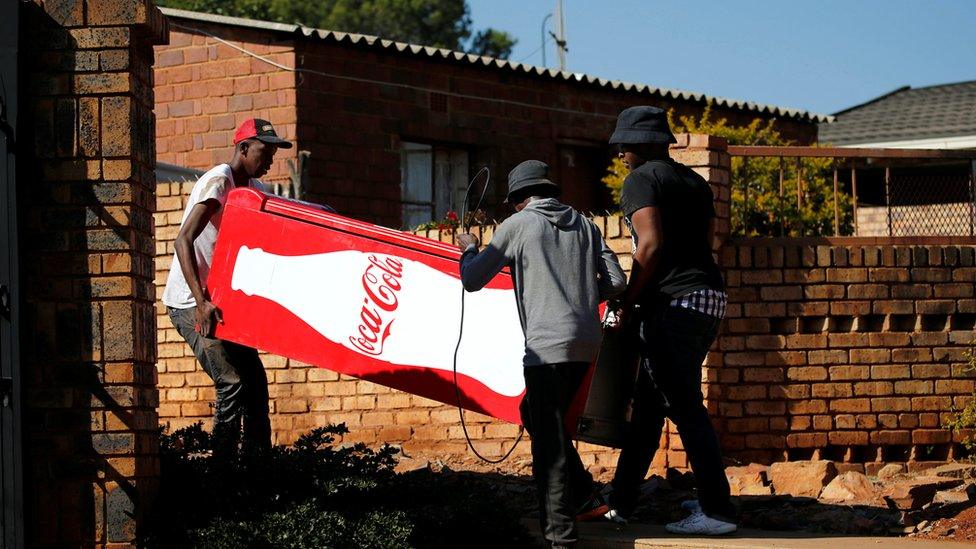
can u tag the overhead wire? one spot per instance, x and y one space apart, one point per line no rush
388 83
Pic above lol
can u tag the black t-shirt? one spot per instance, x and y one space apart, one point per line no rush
685 203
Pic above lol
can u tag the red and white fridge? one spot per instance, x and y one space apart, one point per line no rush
367 301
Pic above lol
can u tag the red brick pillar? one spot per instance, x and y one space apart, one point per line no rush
86 198
708 156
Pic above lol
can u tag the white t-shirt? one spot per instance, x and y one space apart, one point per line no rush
216 184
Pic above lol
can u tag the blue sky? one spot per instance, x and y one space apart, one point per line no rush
817 55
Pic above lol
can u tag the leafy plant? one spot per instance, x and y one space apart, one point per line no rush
763 203
614 179
450 222
965 419
318 494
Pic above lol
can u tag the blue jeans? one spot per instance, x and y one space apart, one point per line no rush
673 342
241 384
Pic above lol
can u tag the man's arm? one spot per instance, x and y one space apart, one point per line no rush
646 224
196 220
478 268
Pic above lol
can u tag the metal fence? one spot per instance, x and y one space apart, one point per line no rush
823 191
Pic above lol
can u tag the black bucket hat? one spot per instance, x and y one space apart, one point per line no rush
643 124
530 173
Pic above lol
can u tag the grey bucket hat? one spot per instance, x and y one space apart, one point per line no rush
530 173
642 124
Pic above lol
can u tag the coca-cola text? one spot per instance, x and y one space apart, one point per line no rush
382 282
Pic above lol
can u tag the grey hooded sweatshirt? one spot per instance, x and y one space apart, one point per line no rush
562 270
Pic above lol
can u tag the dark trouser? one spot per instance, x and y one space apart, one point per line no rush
562 482
241 383
674 342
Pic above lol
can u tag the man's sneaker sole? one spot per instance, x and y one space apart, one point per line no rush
720 531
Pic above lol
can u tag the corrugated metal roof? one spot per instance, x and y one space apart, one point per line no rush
491 62
946 110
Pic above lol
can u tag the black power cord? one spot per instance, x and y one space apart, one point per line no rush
466 225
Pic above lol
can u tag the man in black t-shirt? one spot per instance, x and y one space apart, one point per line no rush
673 305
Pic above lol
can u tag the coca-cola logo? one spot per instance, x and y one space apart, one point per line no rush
381 281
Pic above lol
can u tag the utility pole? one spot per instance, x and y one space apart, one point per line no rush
561 37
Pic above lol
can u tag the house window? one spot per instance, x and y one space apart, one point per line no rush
433 179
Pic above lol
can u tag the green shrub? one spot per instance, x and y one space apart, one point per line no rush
966 418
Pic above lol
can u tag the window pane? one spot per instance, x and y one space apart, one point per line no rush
415 172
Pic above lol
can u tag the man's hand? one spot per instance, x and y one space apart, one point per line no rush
465 240
613 315
207 315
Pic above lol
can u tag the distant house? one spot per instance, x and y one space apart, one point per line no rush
394 131
932 117
934 197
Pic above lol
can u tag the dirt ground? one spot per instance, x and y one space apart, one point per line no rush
961 527
764 513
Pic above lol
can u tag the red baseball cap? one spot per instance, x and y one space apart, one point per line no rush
262 130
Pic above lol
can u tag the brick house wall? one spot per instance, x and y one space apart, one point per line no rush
86 194
355 104
205 89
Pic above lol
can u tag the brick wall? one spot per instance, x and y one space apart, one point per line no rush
206 88
846 348
354 128
86 195
303 397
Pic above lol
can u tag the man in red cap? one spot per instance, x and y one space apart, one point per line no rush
237 372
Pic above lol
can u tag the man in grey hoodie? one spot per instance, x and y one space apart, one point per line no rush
562 270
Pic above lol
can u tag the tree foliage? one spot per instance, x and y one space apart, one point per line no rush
763 202
492 43
438 23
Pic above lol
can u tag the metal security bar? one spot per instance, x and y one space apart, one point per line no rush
822 191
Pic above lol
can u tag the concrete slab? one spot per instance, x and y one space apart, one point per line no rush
604 535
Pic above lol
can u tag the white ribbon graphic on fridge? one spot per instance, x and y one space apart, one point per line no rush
393 309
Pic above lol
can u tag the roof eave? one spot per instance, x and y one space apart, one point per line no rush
452 55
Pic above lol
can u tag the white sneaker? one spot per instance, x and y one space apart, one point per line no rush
691 506
701 524
613 516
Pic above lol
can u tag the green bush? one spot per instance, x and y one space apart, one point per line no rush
965 419
318 494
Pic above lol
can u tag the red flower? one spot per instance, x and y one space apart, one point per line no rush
451 216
